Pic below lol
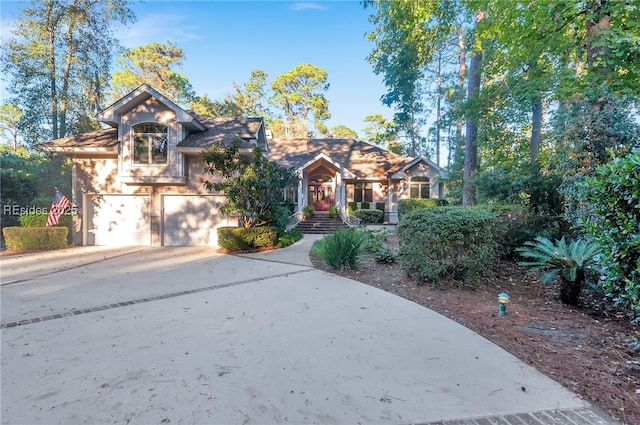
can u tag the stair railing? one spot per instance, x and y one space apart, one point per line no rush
350 220
294 219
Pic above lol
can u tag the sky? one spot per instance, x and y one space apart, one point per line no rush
224 41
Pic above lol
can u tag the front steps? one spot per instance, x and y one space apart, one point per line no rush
320 223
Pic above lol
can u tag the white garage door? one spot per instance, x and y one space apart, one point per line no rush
191 220
118 220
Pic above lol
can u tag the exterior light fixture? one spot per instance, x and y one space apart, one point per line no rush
503 299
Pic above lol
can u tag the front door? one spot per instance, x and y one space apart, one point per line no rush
321 196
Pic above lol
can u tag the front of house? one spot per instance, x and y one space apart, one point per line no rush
139 181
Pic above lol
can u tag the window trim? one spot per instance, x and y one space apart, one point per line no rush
420 183
366 188
150 144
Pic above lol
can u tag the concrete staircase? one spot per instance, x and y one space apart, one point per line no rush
321 223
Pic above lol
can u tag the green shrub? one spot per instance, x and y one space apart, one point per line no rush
281 218
365 205
405 206
516 225
352 206
246 238
308 211
380 206
35 238
333 211
369 216
569 262
289 238
385 256
342 249
614 196
447 243
40 220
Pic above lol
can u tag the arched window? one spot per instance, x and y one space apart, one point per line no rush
419 187
150 144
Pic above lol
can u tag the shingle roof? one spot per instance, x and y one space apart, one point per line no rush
106 139
360 158
222 130
219 130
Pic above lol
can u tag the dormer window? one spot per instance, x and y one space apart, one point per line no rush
149 144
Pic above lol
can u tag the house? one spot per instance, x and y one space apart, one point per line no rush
139 181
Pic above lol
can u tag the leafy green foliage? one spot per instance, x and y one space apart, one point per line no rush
569 262
352 206
364 205
247 238
28 179
380 206
342 249
308 211
369 215
57 61
342 132
405 206
447 243
253 186
289 238
613 194
35 238
516 225
333 211
153 64
385 256
300 93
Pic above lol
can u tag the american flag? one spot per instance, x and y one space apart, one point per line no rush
60 203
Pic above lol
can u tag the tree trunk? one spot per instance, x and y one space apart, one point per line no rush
570 291
64 94
598 21
438 107
462 73
51 28
536 129
471 136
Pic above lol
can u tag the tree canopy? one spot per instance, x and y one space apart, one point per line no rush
153 64
58 60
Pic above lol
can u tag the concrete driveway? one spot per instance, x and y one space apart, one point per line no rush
186 336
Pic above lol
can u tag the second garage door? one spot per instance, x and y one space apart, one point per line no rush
191 220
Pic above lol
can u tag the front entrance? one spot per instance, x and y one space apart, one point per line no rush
321 195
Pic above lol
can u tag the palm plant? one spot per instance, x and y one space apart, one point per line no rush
568 262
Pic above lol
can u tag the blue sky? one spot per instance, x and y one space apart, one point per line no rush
225 40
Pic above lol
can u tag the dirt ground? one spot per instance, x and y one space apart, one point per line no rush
593 350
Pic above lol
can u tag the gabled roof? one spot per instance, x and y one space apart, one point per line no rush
100 141
360 158
223 131
140 95
399 170
219 130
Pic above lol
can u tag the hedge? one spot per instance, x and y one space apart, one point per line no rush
369 216
455 243
245 238
352 206
380 206
40 220
35 238
405 206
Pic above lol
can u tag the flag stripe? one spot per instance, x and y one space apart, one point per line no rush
59 205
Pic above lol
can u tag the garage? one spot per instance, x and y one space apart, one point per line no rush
191 220
117 220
